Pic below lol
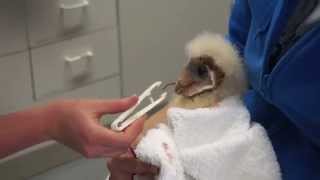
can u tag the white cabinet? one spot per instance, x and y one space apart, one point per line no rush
13 26
15 82
74 63
53 20
78 170
154 34
109 88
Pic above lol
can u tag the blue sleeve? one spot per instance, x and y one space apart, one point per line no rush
239 24
295 85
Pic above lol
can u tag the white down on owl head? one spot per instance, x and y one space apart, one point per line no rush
214 71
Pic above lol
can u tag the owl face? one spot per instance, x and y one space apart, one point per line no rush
200 75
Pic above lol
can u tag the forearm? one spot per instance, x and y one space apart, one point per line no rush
21 130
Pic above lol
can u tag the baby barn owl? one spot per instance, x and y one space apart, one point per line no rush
214 71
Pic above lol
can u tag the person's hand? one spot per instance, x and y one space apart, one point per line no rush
75 123
124 167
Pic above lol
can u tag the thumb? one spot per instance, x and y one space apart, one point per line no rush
113 106
121 139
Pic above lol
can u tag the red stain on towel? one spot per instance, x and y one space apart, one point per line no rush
166 150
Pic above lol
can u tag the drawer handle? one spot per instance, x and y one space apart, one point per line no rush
88 55
81 4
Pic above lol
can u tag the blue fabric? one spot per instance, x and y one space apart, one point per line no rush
285 98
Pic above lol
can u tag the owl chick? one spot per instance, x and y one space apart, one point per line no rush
214 71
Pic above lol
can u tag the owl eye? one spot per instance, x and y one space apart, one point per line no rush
202 71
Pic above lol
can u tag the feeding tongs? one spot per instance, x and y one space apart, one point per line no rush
124 121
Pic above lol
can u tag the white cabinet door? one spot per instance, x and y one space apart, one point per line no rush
13 26
109 88
78 170
154 34
15 82
52 20
75 63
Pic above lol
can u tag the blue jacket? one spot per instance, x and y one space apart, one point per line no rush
285 99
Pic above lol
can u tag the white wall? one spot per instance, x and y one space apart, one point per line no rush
154 33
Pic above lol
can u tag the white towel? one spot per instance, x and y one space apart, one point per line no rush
216 143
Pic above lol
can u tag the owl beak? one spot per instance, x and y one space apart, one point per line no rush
190 87
184 82
180 87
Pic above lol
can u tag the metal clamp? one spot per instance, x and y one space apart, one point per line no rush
124 121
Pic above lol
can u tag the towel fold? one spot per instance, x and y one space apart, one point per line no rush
210 143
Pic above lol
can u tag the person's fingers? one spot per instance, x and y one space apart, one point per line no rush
118 139
113 106
121 176
126 138
111 153
105 152
137 140
132 165
117 152
117 173
142 168
134 130
128 154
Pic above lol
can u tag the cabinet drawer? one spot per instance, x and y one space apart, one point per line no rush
15 80
51 20
12 31
82 169
109 88
75 63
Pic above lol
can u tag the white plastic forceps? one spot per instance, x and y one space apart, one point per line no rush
124 121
